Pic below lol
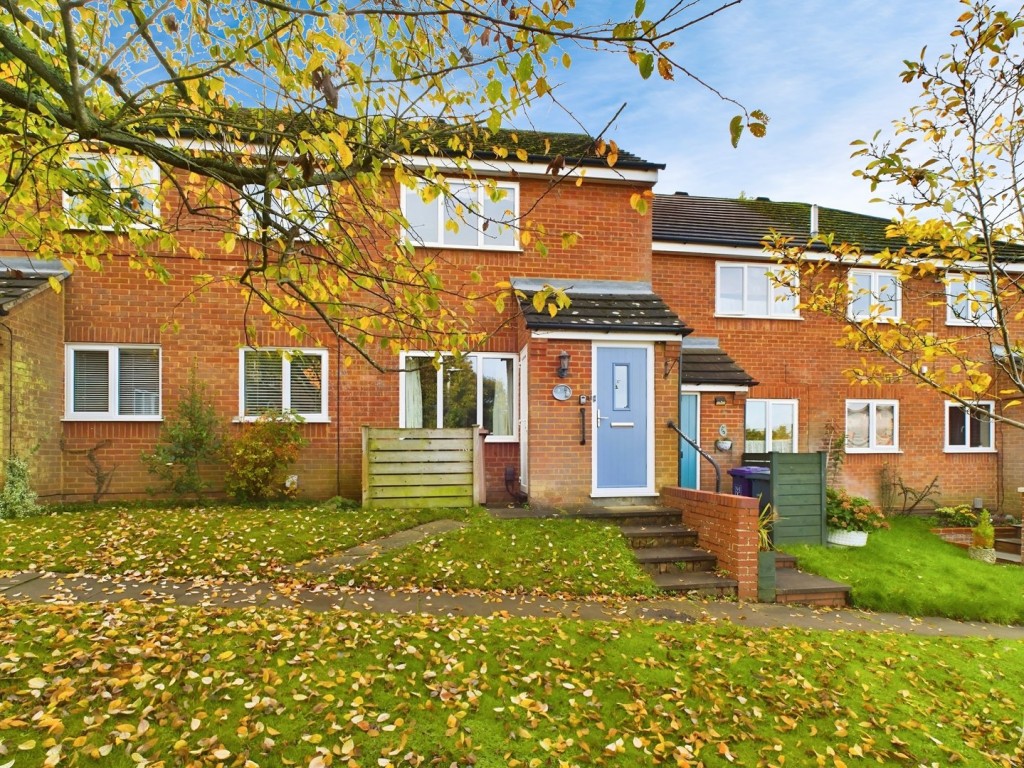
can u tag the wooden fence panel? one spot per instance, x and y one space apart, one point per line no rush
798 496
422 467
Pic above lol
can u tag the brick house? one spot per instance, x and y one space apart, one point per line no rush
576 405
803 400
127 346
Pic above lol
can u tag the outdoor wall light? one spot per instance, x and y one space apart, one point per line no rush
563 365
720 400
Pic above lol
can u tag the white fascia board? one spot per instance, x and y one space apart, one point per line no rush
517 169
607 335
699 249
712 388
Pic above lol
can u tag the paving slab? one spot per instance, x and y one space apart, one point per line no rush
11 580
360 554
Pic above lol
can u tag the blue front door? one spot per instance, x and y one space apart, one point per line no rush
621 432
689 418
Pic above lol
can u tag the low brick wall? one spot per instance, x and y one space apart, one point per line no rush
962 537
726 526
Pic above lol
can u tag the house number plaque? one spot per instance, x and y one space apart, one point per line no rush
561 392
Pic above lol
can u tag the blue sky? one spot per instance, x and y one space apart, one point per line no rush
826 72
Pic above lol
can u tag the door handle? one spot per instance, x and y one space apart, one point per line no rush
599 417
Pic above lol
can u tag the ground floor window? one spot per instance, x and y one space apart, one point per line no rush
770 426
970 429
279 380
872 426
476 389
106 382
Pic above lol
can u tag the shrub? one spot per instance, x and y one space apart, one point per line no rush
259 458
984 535
852 513
190 438
960 516
17 499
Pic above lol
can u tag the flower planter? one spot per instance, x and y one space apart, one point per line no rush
847 538
766 577
982 554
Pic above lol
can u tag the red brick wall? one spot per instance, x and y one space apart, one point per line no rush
799 359
37 396
727 527
206 329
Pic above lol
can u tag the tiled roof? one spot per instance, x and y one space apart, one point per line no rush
600 305
744 223
704 362
20 277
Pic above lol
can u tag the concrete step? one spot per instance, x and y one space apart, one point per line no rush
1008 545
631 515
648 536
782 560
1008 557
684 559
697 582
796 587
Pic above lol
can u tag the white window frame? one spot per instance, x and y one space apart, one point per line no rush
312 200
113 372
481 188
950 448
768 427
114 165
285 353
513 400
873 446
960 291
872 277
777 310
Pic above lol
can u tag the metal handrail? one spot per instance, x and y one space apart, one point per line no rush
702 452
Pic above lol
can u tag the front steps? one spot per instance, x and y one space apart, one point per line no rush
1008 545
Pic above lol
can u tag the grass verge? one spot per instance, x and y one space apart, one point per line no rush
909 570
572 556
130 684
226 541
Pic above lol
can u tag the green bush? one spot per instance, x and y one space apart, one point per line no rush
191 437
960 516
984 535
17 499
259 458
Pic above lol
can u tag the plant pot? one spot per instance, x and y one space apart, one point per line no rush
840 538
766 577
982 554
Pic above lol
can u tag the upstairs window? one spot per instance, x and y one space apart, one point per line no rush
770 426
874 294
307 209
872 426
112 383
756 290
275 381
969 301
479 389
968 430
472 215
111 190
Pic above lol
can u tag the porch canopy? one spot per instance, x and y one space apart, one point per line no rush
600 305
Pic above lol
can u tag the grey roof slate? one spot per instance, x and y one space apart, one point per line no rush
21 277
704 362
601 305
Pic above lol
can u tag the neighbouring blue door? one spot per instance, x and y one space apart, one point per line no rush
689 418
621 439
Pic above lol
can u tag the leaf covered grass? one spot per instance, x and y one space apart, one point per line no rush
572 556
130 684
907 569
223 541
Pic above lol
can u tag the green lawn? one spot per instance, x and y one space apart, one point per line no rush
577 557
129 684
907 569
239 542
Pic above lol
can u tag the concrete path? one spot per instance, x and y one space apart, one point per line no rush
364 552
48 587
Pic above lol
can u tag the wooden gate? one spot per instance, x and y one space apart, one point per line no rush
423 467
